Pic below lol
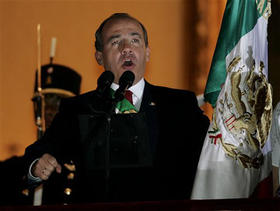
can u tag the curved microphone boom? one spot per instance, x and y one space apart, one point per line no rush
104 81
126 80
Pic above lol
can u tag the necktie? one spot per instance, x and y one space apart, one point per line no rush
128 96
126 105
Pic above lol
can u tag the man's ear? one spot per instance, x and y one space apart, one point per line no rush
148 51
99 57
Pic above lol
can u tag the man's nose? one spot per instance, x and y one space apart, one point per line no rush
126 48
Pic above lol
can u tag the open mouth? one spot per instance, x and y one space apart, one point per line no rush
127 64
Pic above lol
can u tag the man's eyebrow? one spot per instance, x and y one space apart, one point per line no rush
135 33
113 37
118 35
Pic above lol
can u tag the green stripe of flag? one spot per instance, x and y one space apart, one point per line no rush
240 17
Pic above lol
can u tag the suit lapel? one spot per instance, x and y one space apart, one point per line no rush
149 106
147 101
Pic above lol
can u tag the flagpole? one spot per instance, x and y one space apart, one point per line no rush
40 120
40 111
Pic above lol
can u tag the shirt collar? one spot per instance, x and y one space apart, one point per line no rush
137 88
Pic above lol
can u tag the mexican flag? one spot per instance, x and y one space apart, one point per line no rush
236 155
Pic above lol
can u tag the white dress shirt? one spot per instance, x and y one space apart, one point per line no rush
137 90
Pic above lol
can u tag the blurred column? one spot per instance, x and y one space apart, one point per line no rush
207 20
274 50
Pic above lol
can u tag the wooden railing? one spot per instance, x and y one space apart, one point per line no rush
193 205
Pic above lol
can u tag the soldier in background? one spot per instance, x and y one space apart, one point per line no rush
58 82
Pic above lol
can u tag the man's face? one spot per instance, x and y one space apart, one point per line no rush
123 48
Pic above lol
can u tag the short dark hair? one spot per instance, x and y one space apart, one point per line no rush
98 33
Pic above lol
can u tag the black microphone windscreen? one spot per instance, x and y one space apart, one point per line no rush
106 77
105 80
127 79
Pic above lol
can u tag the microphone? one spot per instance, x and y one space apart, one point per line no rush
125 81
104 81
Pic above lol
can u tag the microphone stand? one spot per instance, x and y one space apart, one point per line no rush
107 154
125 81
108 116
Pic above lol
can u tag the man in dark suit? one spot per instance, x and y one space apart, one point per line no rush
148 155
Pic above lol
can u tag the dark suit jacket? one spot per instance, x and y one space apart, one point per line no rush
170 118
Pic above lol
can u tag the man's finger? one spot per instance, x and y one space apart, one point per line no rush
51 160
44 174
45 166
58 168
